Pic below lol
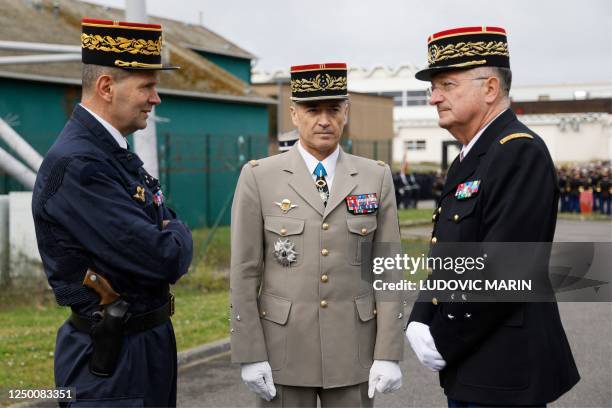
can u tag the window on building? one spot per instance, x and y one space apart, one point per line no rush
415 144
543 97
414 98
398 98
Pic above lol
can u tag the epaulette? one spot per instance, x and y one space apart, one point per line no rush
381 163
515 136
253 163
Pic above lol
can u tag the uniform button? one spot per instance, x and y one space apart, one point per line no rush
434 240
374 312
324 303
439 210
263 314
456 217
400 315
324 278
324 252
325 226
231 330
364 231
434 301
283 231
434 218
238 317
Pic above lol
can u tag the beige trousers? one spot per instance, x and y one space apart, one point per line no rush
353 396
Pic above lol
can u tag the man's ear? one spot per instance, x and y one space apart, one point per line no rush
105 87
492 89
346 113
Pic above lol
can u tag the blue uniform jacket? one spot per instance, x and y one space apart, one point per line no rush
93 207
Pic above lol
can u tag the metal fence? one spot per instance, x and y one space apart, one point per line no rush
199 173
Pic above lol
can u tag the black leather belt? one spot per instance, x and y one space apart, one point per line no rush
133 324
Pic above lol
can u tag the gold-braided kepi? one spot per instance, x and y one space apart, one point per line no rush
318 82
465 48
121 44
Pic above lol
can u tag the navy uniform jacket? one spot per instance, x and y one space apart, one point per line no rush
504 353
93 208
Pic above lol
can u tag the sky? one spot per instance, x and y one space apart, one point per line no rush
550 41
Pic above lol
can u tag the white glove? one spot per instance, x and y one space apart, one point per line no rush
422 343
385 376
258 377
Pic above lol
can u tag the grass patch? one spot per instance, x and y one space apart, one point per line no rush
415 215
584 217
27 334
28 324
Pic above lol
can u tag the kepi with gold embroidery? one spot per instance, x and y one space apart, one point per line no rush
318 82
465 48
119 44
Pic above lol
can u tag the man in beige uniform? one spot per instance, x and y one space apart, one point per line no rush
304 324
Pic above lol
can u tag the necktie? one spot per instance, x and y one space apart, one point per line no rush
321 183
461 156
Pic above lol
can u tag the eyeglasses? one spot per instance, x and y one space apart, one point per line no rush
447 85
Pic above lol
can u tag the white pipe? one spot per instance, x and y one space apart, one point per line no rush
34 46
15 168
37 59
20 146
145 140
136 11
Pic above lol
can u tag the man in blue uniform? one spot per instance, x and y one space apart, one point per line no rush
501 188
98 211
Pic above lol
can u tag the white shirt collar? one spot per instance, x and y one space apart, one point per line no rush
329 163
466 148
110 128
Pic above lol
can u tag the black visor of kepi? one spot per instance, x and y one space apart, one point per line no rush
132 46
465 48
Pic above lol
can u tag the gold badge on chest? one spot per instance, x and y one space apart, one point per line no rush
140 193
285 205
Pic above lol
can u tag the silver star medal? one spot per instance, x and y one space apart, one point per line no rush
284 252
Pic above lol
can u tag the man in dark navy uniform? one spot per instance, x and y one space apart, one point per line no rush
501 188
98 211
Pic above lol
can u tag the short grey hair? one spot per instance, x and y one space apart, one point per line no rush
91 73
504 75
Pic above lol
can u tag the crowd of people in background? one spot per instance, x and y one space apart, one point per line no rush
583 189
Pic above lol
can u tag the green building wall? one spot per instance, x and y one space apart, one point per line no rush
201 148
239 67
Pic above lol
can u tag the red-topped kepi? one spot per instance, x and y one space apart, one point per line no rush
464 48
122 44
318 82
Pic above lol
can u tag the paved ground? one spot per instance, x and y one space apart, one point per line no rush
216 382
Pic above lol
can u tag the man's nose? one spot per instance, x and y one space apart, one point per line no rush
155 99
323 120
436 97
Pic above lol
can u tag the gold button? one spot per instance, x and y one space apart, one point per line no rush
283 231
434 301
324 278
364 231
325 226
263 314
324 252
374 312
439 210
434 218
456 217
434 240
324 303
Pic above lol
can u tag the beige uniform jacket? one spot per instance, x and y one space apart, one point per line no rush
317 322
